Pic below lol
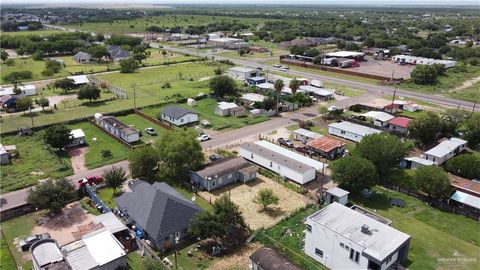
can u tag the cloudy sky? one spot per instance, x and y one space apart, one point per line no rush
340 2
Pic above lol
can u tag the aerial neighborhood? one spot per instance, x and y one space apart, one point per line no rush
239 136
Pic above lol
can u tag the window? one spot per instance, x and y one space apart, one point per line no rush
352 252
357 256
318 252
342 245
230 176
181 120
213 183
309 228
342 132
271 164
347 247
251 155
388 260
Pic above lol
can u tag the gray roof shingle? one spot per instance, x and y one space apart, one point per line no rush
224 166
117 52
176 112
82 55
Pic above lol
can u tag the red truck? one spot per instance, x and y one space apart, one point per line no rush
90 180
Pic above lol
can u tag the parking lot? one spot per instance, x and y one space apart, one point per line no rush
383 68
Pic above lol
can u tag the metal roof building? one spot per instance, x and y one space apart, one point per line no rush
350 131
445 150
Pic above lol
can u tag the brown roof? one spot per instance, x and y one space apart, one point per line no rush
225 166
269 259
325 144
466 185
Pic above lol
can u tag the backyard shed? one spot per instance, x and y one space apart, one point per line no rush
304 135
336 194
191 102
78 138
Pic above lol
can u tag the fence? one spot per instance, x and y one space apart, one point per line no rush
91 193
151 119
111 88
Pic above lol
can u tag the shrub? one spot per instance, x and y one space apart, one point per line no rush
106 153
47 72
10 62
467 166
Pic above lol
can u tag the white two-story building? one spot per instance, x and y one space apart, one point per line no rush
344 238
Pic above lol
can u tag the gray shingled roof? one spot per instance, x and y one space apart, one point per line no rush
176 112
82 55
117 52
158 209
224 166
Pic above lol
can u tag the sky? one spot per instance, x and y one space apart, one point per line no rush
329 2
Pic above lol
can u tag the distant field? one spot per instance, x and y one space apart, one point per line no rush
470 93
34 33
139 25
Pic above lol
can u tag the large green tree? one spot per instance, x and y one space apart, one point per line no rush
425 128
98 52
88 91
385 151
142 162
265 197
3 55
294 85
424 74
57 136
354 173
128 65
466 165
179 152
42 102
433 180
23 103
222 86
451 121
472 130
114 177
51 195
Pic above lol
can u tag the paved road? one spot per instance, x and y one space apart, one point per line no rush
378 90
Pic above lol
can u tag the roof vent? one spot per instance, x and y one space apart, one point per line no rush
365 229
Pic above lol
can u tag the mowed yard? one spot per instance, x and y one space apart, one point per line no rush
141 123
33 162
244 194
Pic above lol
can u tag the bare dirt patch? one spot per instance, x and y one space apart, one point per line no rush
77 155
237 260
243 195
466 84
62 226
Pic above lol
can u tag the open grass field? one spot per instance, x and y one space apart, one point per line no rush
33 33
93 157
72 67
24 170
168 20
435 234
206 110
6 259
14 230
470 93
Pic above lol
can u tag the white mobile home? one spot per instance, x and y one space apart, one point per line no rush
350 131
305 135
25 90
286 163
380 119
416 162
117 128
242 73
344 238
445 150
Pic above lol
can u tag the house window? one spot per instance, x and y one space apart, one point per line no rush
433 159
213 183
181 120
342 132
347 247
342 245
230 176
352 253
318 252
357 257
271 164
251 155
309 228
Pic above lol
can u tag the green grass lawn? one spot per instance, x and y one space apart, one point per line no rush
435 234
291 246
347 91
412 115
206 110
25 169
167 20
134 261
184 262
6 259
470 93
141 123
16 229
107 196
93 158
33 33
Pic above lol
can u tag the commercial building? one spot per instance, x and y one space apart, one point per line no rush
242 73
350 131
284 162
445 150
227 43
223 172
321 93
343 238
346 54
117 128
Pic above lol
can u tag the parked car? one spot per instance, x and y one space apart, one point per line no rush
215 157
283 69
203 137
332 108
276 65
30 240
151 131
304 150
90 180
285 142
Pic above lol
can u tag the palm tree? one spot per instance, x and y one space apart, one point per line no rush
294 85
278 86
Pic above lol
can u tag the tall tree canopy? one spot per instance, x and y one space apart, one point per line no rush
354 173
57 136
425 128
51 195
222 86
433 180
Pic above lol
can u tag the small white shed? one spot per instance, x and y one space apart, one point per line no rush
336 194
304 135
191 102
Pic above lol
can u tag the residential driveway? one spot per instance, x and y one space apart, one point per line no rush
77 156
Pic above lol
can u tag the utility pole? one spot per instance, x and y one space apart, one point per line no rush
31 117
134 86
474 105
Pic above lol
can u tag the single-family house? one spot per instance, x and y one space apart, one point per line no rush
242 73
350 131
266 258
97 250
256 80
344 238
320 93
336 194
380 119
229 109
78 138
82 57
178 116
327 147
117 53
8 102
117 128
79 79
305 135
399 124
223 172
250 98
445 150
416 162
282 161
159 211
